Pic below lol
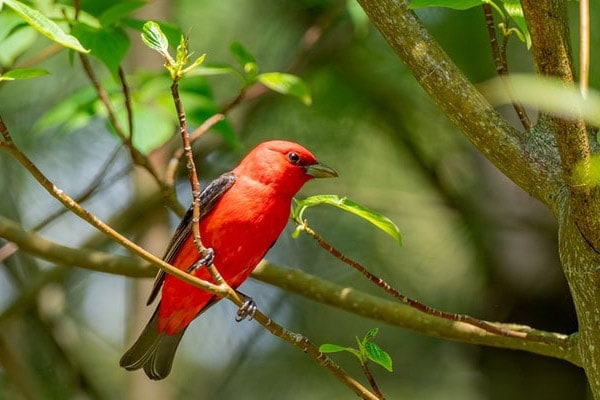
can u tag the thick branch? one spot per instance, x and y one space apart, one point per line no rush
548 25
394 313
36 244
130 266
397 314
457 96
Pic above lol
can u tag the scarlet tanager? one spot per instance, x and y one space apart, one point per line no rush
242 213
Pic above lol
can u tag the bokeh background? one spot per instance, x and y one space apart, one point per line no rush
473 242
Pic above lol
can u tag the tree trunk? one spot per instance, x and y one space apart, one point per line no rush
581 265
540 161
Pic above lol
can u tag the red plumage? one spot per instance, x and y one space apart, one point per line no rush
242 214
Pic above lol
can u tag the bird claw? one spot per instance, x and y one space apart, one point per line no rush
247 309
207 259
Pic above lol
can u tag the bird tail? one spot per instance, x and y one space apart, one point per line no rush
153 350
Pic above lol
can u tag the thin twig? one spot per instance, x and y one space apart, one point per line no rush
128 107
201 130
86 215
192 174
225 291
93 187
371 380
557 345
103 96
137 157
9 248
310 38
500 60
491 28
414 303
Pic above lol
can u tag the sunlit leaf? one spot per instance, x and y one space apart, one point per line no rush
380 221
286 84
213 69
45 25
170 31
153 37
377 355
515 11
334 348
16 37
23 73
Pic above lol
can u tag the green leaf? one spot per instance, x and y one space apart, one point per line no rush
151 128
377 355
45 26
153 37
359 18
246 60
16 37
119 11
454 4
214 69
515 11
380 221
71 113
182 53
334 348
195 64
23 73
370 334
171 32
109 45
286 84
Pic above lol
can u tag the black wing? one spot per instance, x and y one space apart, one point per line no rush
208 198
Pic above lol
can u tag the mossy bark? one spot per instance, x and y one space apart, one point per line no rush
542 161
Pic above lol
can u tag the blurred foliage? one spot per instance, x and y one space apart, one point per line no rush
473 242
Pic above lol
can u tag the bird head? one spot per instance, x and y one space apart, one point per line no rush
284 165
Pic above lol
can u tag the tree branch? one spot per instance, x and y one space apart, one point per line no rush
222 290
94 260
563 347
135 267
548 25
458 98
539 342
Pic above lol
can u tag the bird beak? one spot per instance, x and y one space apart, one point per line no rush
319 170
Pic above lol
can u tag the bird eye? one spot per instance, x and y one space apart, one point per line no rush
293 157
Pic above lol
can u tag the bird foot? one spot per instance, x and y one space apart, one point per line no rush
207 259
247 309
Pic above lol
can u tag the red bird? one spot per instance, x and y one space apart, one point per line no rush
243 212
